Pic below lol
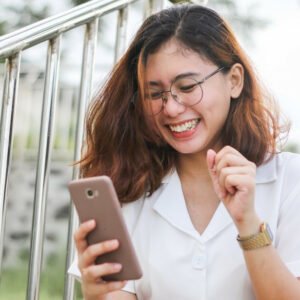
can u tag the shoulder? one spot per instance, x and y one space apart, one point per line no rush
287 171
288 167
279 166
289 161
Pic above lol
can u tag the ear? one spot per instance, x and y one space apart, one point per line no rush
236 80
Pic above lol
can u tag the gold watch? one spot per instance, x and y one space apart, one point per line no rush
258 240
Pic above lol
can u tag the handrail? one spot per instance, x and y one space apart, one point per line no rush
44 30
11 48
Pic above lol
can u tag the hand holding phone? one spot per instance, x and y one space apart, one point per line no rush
95 198
92 285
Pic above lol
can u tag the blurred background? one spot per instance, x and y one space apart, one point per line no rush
268 30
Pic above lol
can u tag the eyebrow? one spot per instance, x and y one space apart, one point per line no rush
179 76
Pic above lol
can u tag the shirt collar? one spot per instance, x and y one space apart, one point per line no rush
267 172
171 205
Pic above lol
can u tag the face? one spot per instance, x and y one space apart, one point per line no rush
196 128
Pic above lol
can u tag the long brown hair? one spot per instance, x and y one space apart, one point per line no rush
119 139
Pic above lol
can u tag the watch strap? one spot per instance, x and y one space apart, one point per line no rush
261 239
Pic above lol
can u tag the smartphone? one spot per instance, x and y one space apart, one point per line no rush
96 198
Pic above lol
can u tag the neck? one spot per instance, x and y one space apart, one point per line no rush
193 166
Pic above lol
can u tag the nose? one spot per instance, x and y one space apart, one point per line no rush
171 106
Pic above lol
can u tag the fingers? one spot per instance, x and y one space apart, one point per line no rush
89 256
210 158
242 183
94 272
228 169
81 233
229 178
92 282
95 290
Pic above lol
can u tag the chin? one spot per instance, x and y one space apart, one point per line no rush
188 149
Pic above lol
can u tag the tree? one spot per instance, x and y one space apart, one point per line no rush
25 14
2 27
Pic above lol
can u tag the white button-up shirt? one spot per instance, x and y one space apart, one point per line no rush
179 263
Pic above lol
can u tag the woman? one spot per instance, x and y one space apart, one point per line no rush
183 129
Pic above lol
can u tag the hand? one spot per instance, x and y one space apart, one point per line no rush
93 287
233 178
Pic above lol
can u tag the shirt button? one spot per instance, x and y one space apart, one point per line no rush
201 247
199 262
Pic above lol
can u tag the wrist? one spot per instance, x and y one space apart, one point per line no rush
248 226
258 240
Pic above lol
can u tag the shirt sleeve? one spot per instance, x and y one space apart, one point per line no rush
129 287
287 237
74 270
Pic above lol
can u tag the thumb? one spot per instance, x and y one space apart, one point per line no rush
210 159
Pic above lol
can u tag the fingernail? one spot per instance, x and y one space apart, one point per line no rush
117 266
113 243
91 222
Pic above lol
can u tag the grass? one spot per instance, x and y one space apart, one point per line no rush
13 283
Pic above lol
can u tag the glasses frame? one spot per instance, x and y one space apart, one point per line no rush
164 98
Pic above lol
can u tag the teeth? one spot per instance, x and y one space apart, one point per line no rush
186 126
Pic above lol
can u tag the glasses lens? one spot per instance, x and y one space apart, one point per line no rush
155 103
187 91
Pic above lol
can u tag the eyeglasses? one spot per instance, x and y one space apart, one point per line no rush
186 91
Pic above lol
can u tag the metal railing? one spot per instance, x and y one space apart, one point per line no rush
11 48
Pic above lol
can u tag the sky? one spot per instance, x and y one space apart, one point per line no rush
275 51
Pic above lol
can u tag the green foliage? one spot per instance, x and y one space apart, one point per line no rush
2 27
13 283
292 147
20 16
14 280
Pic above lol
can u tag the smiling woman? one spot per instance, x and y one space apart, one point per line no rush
183 128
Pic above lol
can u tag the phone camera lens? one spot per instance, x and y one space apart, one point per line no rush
90 193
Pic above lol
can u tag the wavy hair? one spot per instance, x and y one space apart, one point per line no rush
119 140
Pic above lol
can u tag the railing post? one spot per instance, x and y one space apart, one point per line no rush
9 99
46 133
88 62
121 33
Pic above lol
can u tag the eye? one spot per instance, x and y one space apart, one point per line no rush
188 88
186 85
153 95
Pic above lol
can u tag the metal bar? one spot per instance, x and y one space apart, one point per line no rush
10 92
90 43
46 132
51 27
121 33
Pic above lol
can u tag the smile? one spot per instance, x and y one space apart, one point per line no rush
189 125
